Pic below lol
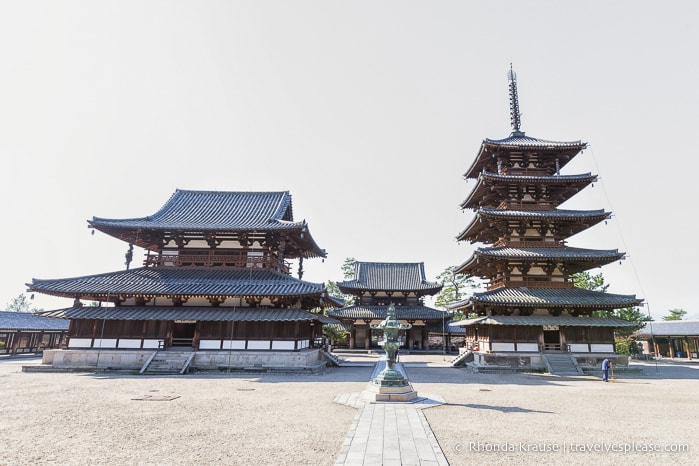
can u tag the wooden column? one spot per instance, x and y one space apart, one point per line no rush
367 335
353 334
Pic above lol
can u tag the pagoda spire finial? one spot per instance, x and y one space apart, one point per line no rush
514 103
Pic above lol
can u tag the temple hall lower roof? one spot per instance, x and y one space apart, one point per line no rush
380 313
211 314
172 281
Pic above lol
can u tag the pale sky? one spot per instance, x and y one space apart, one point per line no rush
368 112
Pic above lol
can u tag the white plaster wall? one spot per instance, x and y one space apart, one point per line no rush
131 344
105 343
526 347
234 345
601 348
283 345
579 347
209 344
80 343
503 347
258 345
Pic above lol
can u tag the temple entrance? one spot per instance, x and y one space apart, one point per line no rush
552 340
183 334
360 336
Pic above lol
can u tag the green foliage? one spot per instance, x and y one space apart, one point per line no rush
675 314
589 282
631 314
454 288
334 290
21 304
334 334
348 267
623 345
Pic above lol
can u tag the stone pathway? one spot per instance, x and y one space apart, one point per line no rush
390 433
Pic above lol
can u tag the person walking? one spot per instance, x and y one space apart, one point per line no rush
606 364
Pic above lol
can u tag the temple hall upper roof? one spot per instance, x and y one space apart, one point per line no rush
389 276
219 213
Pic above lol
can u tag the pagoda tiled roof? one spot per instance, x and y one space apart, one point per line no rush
215 314
380 313
30 321
562 253
173 281
584 258
478 230
389 276
574 298
565 186
544 214
217 212
670 328
546 320
519 142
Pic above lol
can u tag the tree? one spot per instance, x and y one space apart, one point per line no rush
675 314
589 282
21 304
347 273
454 288
631 314
334 334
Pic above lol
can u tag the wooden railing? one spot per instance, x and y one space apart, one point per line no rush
527 283
236 261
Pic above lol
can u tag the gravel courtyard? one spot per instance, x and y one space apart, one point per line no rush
92 419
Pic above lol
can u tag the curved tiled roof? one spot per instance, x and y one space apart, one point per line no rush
576 259
577 220
530 179
574 298
29 321
172 281
389 276
185 313
670 328
518 140
546 320
219 213
559 187
562 253
380 313
215 211
564 214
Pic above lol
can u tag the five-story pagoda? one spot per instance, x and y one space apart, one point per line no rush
531 304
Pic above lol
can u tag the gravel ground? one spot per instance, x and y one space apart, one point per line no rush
92 419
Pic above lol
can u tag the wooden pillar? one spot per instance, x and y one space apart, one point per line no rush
367 335
686 348
671 347
353 334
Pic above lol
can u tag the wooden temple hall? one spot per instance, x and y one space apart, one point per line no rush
375 286
531 305
217 277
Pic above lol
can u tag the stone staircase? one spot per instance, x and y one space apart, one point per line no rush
463 358
168 363
331 358
561 364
